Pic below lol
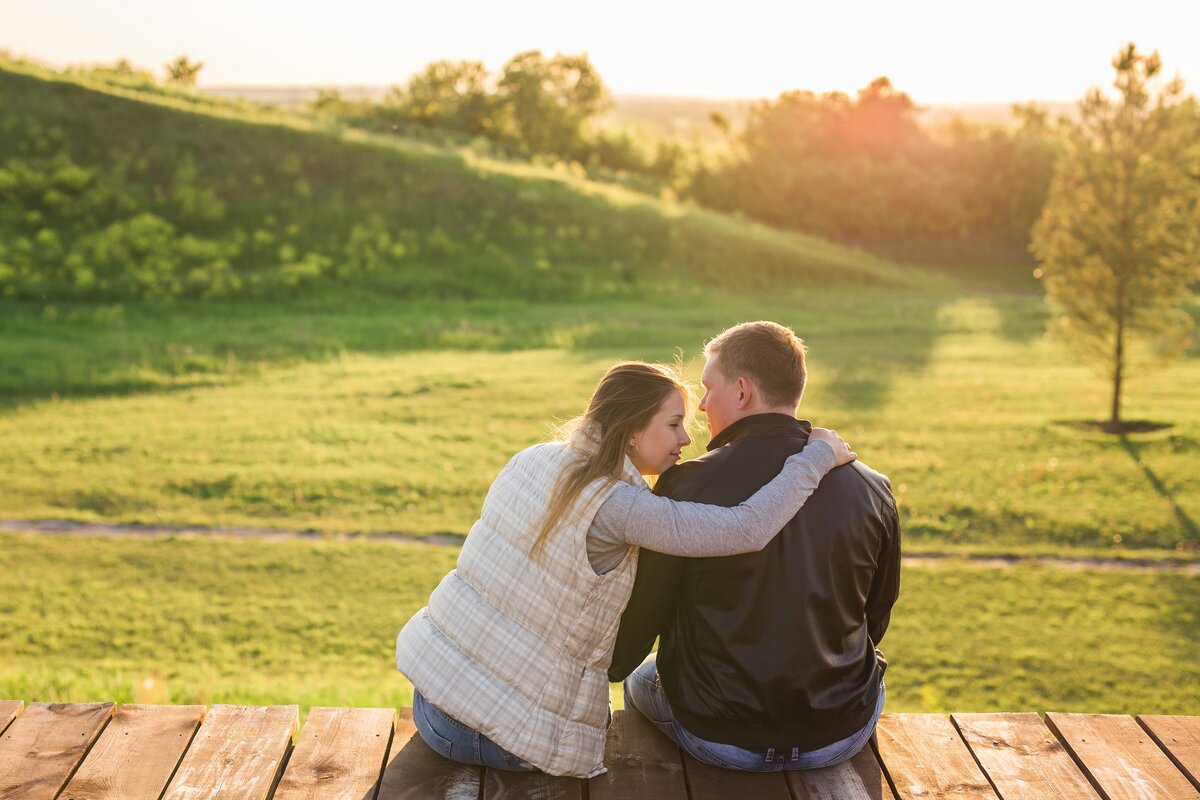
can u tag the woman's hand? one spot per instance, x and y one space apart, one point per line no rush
841 448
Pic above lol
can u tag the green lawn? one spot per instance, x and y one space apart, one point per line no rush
369 417
187 620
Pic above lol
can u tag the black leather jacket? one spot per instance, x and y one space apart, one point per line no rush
775 648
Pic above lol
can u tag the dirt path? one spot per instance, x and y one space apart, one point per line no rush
64 527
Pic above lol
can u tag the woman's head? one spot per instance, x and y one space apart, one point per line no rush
638 409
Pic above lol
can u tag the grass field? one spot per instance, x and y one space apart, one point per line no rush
368 418
187 620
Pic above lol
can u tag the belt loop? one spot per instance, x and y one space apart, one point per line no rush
770 755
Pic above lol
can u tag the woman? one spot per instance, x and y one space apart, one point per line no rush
508 661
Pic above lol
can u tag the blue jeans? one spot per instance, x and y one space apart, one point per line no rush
451 739
643 691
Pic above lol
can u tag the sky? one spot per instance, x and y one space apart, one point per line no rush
938 51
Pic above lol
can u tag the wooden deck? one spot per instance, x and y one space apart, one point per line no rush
96 750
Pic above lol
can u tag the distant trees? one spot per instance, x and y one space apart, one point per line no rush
182 71
1119 239
863 171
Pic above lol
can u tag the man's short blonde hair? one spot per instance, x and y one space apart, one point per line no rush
769 354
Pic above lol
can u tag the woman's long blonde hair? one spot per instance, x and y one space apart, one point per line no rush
625 400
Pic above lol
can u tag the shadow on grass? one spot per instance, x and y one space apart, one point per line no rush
870 338
1126 427
1191 532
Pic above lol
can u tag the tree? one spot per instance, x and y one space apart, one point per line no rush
1117 240
450 94
183 72
550 100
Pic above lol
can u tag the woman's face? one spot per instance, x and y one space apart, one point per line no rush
656 447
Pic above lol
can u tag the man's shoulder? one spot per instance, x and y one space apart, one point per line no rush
863 479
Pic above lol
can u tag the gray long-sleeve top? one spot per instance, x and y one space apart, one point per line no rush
635 516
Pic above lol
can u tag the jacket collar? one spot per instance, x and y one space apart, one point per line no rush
761 424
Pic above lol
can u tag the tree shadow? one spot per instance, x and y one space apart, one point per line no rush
1185 520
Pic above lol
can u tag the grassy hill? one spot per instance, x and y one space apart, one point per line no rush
119 193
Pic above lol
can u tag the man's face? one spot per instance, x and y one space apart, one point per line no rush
720 401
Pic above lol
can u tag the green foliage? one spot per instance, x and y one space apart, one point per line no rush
550 99
454 95
110 198
862 172
181 71
1119 240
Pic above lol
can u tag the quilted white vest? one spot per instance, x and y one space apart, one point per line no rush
519 649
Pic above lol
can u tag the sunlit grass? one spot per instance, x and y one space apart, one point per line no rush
396 418
186 620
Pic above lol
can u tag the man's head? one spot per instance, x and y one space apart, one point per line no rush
752 368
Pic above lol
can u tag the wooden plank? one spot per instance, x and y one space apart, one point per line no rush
1022 758
237 754
137 753
924 757
1179 737
641 761
501 785
860 778
9 709
43 746
705 782
340 754
1119 757
415 772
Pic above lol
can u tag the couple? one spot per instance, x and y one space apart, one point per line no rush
768 592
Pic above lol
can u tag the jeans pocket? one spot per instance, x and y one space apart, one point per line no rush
425 717
438 743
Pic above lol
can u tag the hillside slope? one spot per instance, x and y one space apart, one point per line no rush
108 193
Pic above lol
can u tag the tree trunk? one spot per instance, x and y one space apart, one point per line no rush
1114 421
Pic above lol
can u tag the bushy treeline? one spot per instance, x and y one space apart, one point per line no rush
537 107
107 197
858 170
862 171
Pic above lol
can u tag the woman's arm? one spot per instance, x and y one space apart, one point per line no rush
697 529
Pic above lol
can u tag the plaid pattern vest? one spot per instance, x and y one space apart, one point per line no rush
519 649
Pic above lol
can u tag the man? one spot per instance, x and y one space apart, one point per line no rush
766 661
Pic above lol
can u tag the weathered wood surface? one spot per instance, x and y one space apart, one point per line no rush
42 747
371 754
642 763
340 754
501 785
1179 737
925 758
237 754
1022 758
9 709
136 754
705 782
415 772
860 778
1120 758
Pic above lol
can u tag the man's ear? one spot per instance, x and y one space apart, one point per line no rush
745 393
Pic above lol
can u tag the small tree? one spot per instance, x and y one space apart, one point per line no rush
550 100
450 94
183 72
1117 239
